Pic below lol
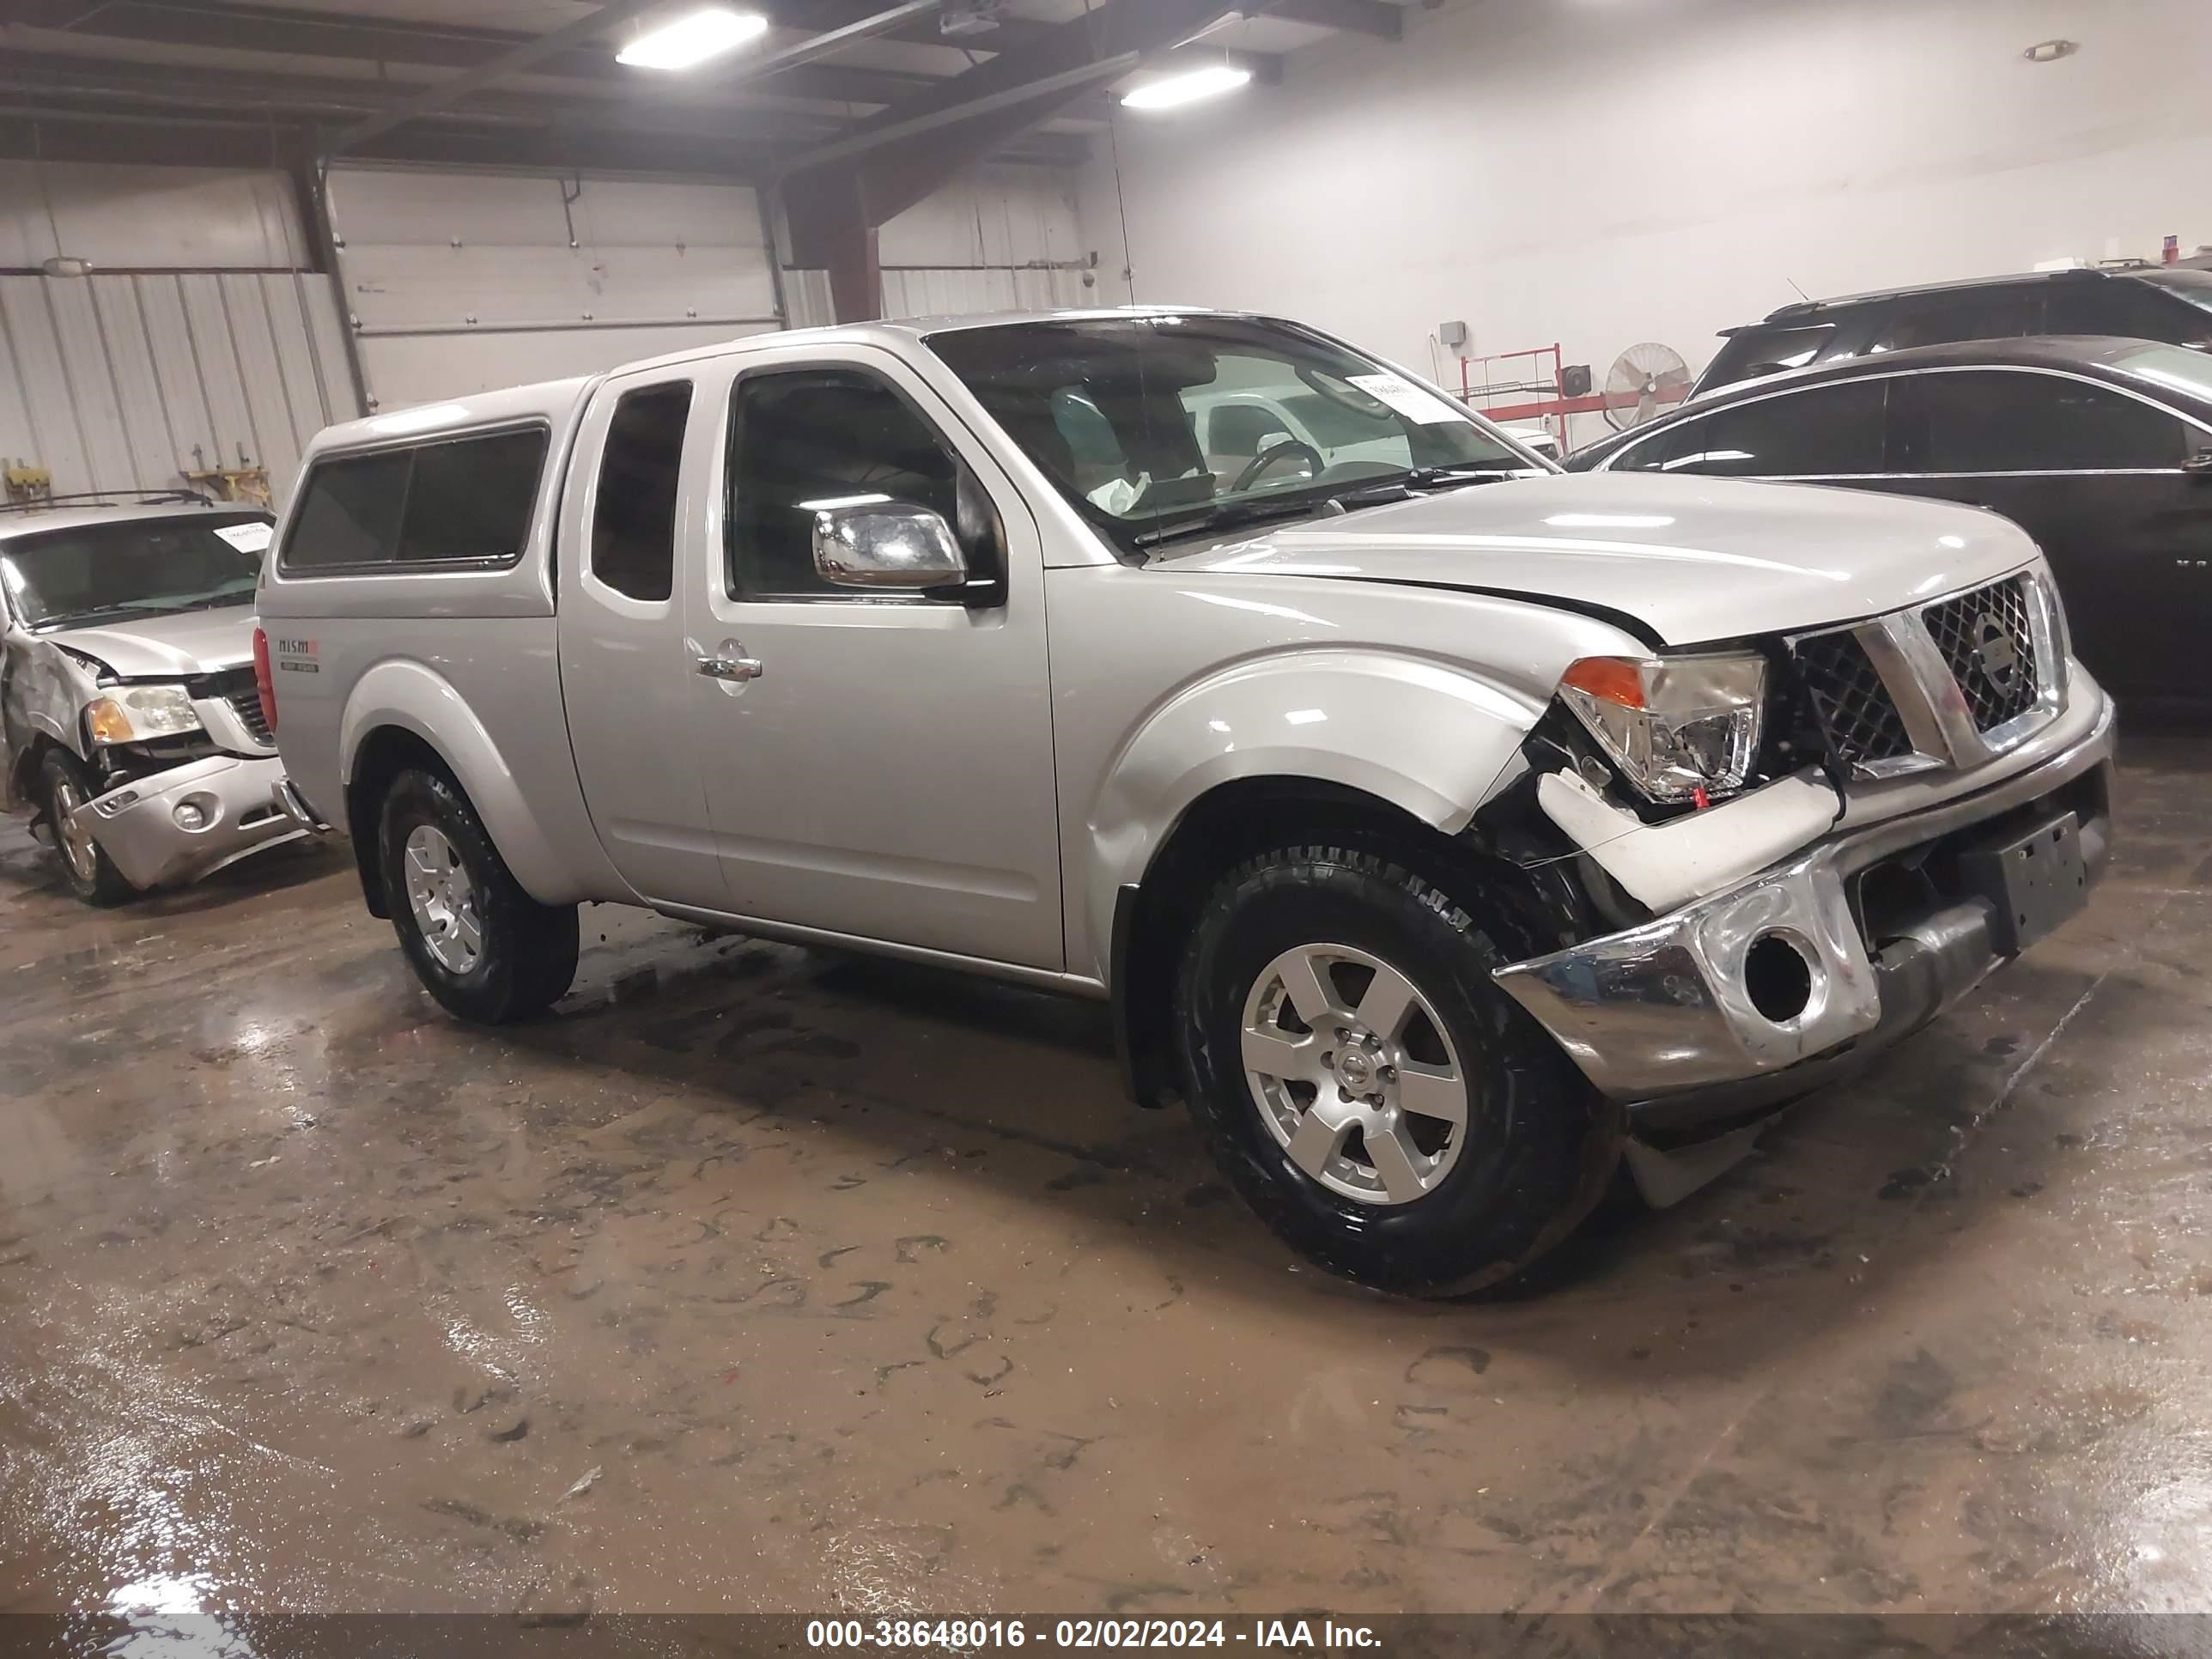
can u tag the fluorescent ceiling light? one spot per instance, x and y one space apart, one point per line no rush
693 38
1188 89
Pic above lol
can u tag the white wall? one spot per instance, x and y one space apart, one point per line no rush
461 282
1604 172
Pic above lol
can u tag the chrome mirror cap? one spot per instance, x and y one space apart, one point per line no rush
887 544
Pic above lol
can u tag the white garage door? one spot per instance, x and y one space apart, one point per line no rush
460 283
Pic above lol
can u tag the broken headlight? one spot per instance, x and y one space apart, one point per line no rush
1678 727
132 714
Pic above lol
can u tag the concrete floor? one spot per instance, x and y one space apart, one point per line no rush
759 1280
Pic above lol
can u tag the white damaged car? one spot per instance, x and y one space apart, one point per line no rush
134 729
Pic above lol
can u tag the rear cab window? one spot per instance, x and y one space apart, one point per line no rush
467 499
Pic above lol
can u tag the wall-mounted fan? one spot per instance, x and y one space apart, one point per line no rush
1652 375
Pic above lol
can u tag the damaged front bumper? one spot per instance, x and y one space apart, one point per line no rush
180 825
1752 995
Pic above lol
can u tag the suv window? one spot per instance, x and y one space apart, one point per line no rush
1765 351
634 509
801 439
2003 314
2134 309
1983 421
1825 431
460 499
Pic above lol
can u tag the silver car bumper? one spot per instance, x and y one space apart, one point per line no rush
1672 1008
234 805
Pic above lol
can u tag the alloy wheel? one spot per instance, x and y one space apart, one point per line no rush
72 835
443 899
1354 1074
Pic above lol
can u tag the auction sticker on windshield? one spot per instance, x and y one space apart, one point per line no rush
1425 408
250 538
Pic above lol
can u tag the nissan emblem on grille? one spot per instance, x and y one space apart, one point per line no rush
1997 653
1986 640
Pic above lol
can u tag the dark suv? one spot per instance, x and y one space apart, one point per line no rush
2149 302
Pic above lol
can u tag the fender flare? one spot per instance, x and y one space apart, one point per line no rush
402 693
1436 741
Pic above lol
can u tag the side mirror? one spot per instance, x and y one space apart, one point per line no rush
2199 466
888 545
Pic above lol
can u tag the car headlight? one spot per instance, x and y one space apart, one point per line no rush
1677 726
132 714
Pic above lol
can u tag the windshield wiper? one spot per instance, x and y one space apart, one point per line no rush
128 607
1367 492
1224 515
1403 486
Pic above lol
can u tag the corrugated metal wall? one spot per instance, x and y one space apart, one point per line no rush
199 341
462 282
129 381
200 338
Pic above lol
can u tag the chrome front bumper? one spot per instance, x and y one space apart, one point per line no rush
241 810
1667 1009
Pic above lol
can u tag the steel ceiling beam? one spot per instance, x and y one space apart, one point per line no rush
248 97
349 38
814 46
512 62
58 132
1024 92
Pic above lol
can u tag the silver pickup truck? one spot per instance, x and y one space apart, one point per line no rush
132 725
1442 830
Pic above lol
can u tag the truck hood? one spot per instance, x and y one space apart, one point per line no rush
167 647
1691 559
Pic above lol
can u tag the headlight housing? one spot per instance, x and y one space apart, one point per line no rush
132 714
1678 727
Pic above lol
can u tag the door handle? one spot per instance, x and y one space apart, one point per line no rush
730 668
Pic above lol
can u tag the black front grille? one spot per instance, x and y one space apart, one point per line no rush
236 686
1855 709
1986 641
247 703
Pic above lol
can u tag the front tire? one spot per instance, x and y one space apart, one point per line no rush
1362 1082
481 945
91 875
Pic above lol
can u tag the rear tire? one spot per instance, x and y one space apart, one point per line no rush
481 946
91 875
1340 1131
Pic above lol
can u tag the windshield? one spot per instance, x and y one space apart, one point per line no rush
134 568
2182 367
1160 425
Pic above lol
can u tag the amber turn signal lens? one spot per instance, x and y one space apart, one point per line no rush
1612 679
107 722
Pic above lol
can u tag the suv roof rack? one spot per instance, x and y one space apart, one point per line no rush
1798 309
113 498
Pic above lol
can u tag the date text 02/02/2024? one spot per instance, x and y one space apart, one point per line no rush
968 1634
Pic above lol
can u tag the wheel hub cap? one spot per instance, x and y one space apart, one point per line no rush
1353 1074
443 899
72 832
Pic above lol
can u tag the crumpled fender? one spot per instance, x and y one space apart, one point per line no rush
407 694
1433 740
